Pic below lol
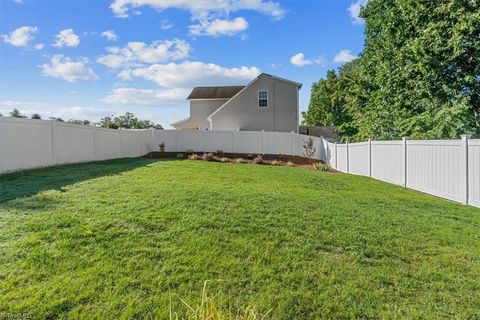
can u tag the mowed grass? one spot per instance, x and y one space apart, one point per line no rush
132 238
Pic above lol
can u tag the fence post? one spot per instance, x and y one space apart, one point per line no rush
54 124
348 158
293 142
263 141
152 147
465 138
336 156
94 142
370 158
405 160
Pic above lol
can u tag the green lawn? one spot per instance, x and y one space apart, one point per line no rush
130 238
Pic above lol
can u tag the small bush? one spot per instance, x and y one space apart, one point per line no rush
189 152
290 164
258 159
250 156
161 147
219 151
180 156
193 157
240 160
322 167
208 156
276 163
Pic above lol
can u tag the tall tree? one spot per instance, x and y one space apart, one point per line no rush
17 114
418 75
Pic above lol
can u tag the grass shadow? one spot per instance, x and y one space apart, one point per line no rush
30 182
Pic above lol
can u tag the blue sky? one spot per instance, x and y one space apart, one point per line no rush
88 59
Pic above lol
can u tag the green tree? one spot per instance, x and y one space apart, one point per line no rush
418 75
36 116
17 114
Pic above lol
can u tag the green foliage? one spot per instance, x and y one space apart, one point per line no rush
36 116
127 238
161 147
75 121
128 121
418 75
17 114
321 167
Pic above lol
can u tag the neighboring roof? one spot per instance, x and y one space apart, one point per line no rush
326 132
299 85
214 92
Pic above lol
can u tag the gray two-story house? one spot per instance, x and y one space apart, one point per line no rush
267 103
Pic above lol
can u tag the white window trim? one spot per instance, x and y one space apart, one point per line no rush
258 99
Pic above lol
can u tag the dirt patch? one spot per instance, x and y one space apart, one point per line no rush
267 159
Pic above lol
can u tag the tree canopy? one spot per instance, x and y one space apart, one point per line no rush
418 74
127 121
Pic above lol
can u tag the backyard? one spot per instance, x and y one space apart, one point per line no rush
139 238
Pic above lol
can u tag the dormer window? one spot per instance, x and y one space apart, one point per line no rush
263 99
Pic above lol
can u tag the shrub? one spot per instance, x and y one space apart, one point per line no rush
309 149
219 151
290 164
208 156
161 147
193 157
250 156
322 167
240 160
180 156
189 152
258 159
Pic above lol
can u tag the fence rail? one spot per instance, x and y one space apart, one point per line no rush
445 168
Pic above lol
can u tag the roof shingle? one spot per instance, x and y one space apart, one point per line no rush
214 92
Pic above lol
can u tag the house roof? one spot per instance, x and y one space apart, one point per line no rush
214 92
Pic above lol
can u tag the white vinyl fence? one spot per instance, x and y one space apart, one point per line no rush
26 143
446 168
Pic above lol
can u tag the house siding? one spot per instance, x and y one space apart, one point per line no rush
199 111
243 113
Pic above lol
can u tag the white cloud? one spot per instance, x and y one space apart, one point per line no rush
110 35
39 46
134 96
47 110
21 36
66 38
202 8
354 10
18 1
192 73
345 56
218 27
166 24
135 53
68 69
299 60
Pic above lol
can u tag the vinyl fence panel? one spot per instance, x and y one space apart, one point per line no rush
107 144
73 143
25 144
474 172
437 167
359 158
387 161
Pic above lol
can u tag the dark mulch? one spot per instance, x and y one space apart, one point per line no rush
268 158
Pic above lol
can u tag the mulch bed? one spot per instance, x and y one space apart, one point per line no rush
248 158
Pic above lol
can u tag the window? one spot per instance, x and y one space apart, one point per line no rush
263 99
